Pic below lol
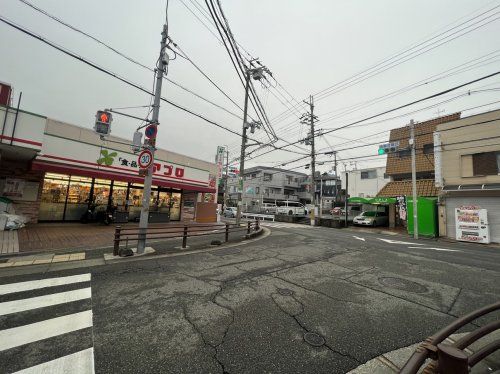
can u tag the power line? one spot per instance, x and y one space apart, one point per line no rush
394 109
366 71
402 53
110 73
130 59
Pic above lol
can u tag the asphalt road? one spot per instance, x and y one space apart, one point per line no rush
299 300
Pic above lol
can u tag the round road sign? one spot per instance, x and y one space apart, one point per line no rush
150 131
145 159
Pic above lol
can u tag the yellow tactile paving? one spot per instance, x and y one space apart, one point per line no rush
42 261
77 256
22 263
60 258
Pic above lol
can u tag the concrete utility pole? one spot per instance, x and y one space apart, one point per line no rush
310 118
414 179
241 175
346 203
226 178
151 144
256 73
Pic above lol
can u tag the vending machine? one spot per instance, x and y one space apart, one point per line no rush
471 224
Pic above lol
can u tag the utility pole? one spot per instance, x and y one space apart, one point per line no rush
346 198
310 118
414 179
226 178
335 162
151 143
257 74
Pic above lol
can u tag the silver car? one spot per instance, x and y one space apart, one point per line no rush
230 212
371 219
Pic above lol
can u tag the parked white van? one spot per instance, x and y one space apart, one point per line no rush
268 208
290 207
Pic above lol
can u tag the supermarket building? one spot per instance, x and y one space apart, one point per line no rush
51 171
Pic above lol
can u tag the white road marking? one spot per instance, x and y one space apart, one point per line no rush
49 328
357 237
80 362
16 306
398 242
42 283
437 249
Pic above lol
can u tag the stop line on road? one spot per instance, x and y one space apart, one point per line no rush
36 319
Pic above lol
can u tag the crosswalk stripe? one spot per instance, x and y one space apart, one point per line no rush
49 328
42 283
80 362
22 305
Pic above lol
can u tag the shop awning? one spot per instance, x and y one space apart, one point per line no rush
358 200
382 200
372 200
105 174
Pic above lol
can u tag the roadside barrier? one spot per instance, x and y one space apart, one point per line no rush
453 359
179 231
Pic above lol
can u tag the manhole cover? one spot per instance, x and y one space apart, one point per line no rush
402 284
285 291
314 339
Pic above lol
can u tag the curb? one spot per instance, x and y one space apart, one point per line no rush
258 235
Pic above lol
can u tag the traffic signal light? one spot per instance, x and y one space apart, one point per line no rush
103 120
386 148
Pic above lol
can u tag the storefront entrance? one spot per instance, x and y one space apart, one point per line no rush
67 198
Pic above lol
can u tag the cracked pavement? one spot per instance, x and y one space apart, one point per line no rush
246 309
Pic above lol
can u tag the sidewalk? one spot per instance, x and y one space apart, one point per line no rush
392 362
49 237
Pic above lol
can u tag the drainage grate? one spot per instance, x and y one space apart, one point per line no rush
402 284
314 339
285 292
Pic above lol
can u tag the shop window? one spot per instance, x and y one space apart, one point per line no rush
164 199
78 198
119 197
175 206
102 189
53 198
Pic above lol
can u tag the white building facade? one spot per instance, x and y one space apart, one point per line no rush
365 182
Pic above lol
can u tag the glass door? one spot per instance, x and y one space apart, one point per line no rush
53 199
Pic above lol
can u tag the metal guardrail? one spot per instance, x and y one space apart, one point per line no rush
179 231
452 359
257 216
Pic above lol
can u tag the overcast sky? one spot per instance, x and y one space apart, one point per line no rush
308 45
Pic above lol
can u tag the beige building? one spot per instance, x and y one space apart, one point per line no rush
467 161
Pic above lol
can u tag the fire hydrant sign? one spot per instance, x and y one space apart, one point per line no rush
471 224
145 159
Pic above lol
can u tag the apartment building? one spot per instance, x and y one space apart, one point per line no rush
268 185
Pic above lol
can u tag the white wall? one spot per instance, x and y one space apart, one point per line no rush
364 187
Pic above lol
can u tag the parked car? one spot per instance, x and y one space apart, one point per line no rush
268 208
371 219
230 212
292 208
